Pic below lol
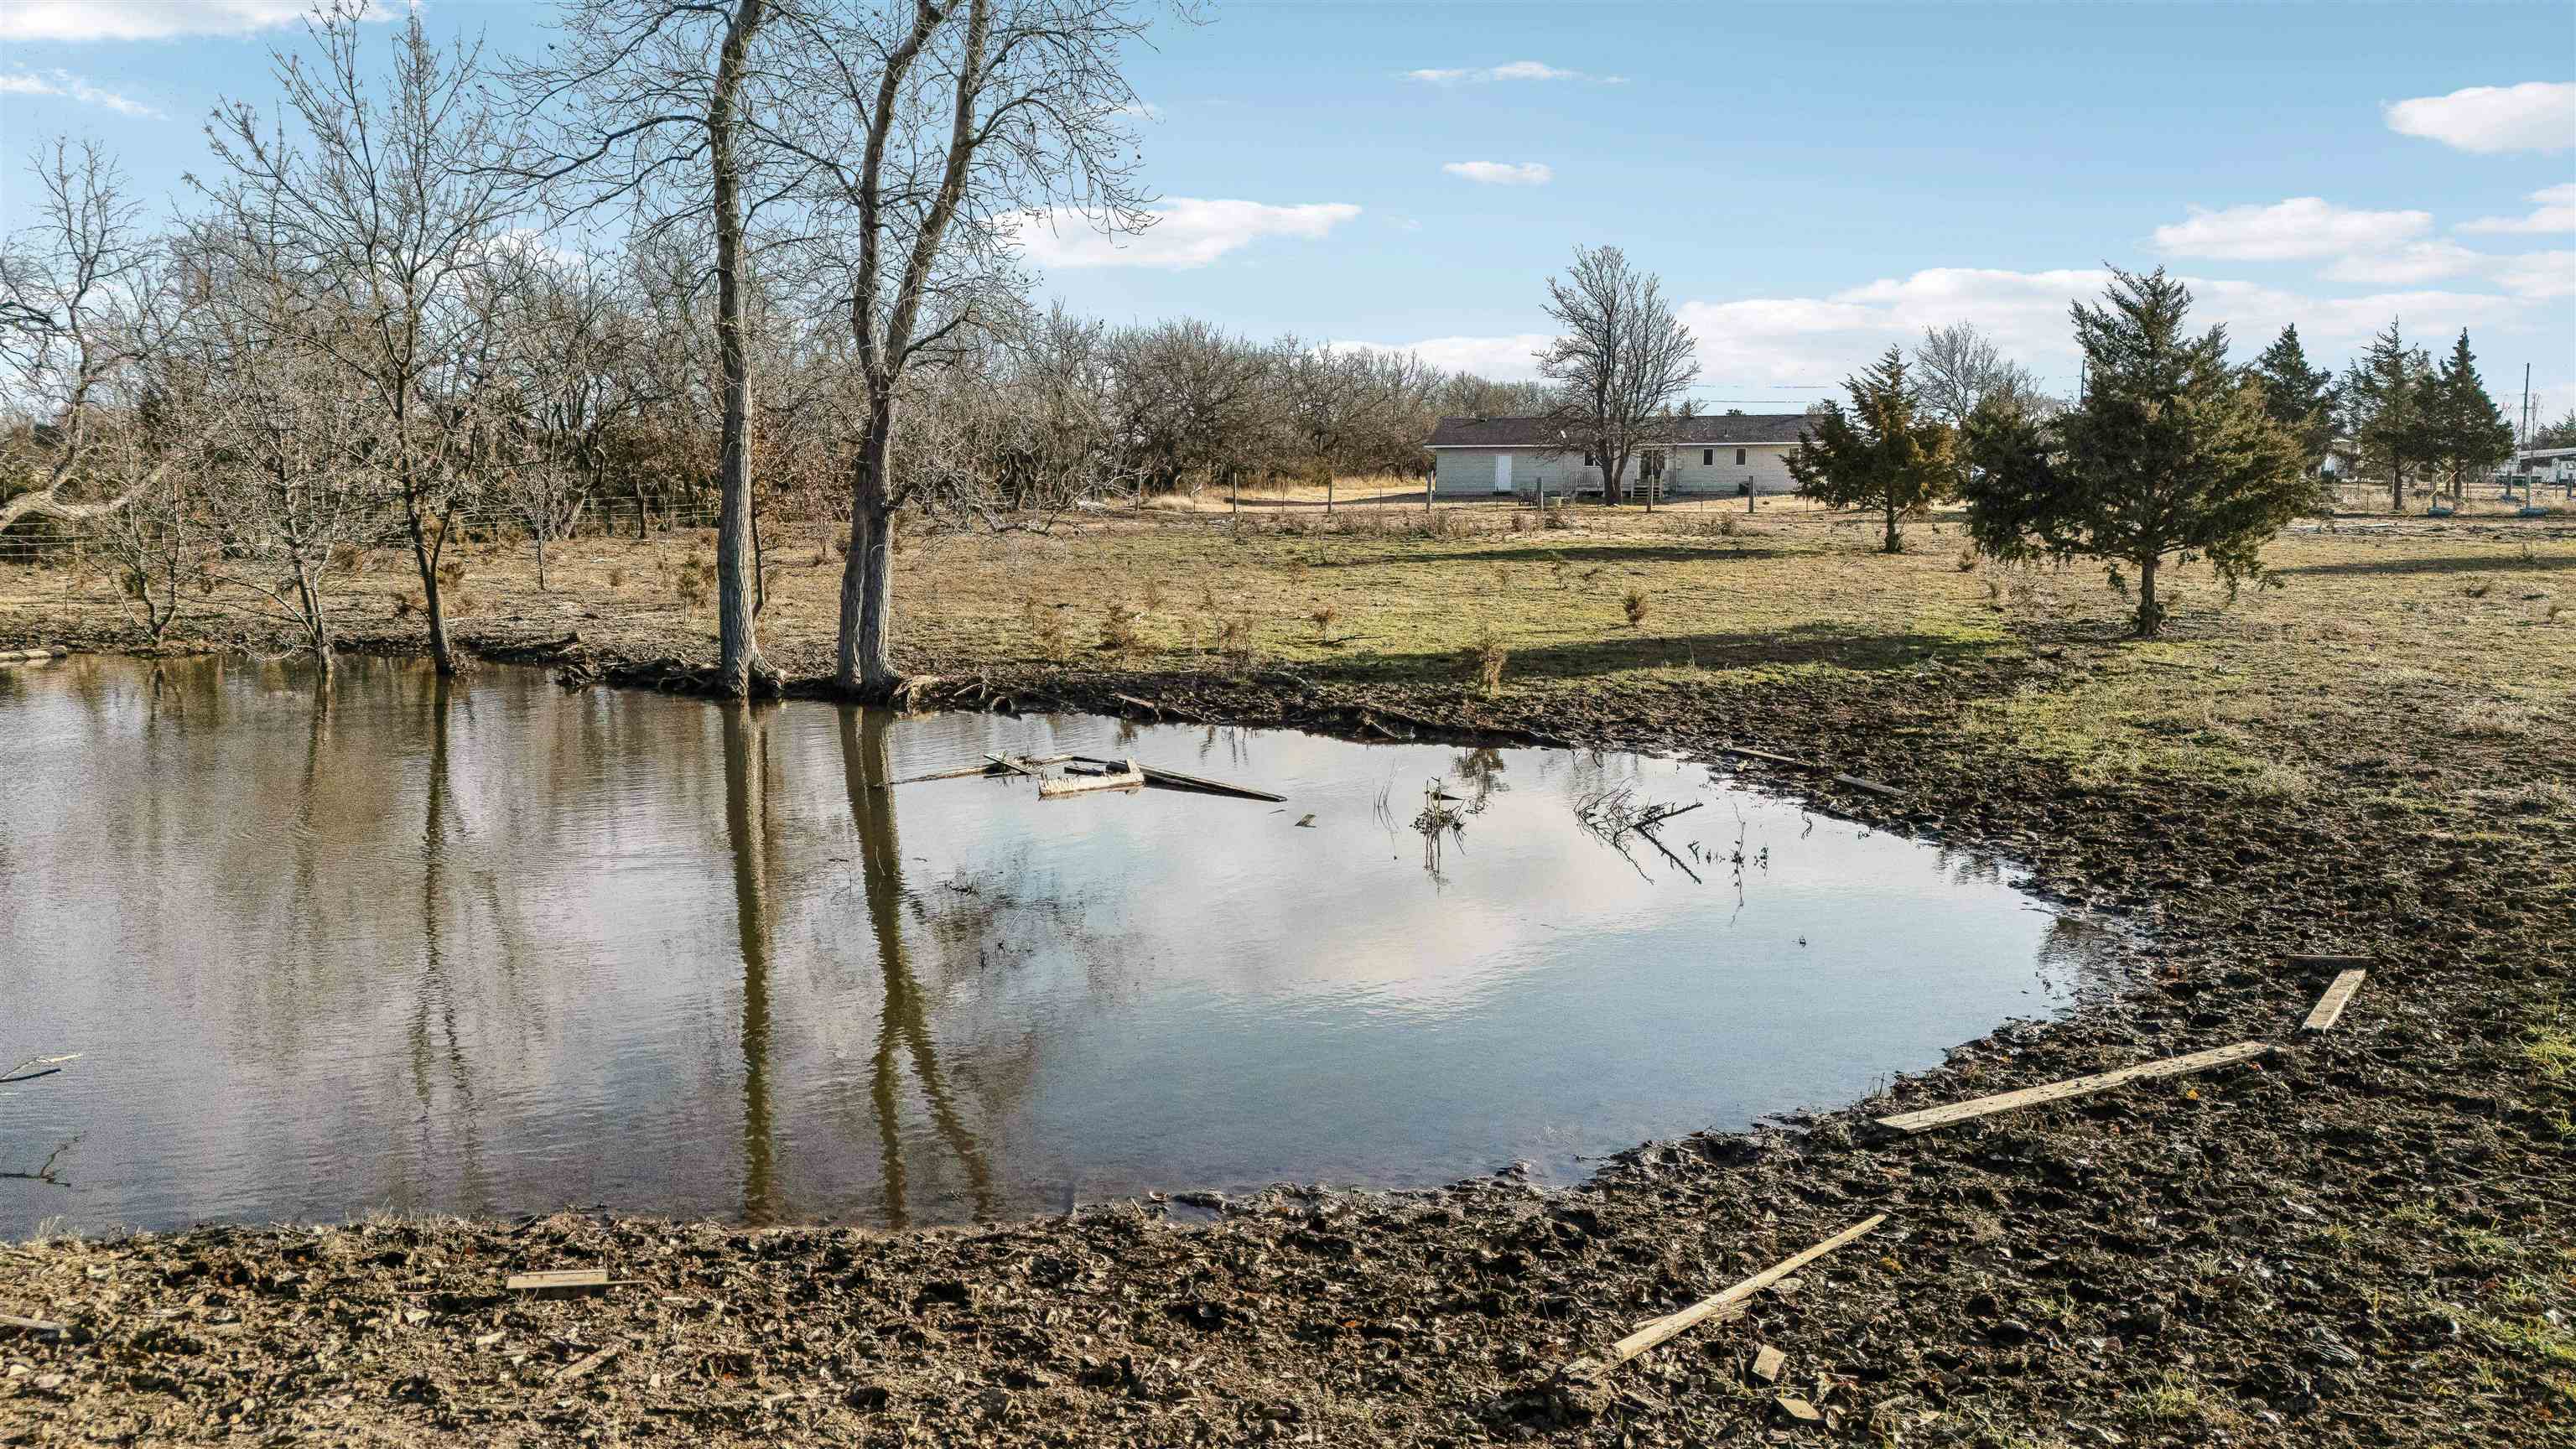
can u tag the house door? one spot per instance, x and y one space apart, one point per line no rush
1502 472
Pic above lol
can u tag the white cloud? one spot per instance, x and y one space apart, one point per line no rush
2533 116
146 19
1502 173
1509 358
2303 226
2538 275
1514 70
71 87
1186 233
2406 265
2555 210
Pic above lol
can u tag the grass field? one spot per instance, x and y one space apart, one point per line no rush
2451 640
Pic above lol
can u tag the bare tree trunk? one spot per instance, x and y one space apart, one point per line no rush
865 665
317 627
1895 543
2151 615
2396 484
438 651
738 648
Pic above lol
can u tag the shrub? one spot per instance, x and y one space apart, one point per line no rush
1635 606
1491 656
1118 628
1325 617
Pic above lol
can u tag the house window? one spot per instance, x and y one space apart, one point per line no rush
1739 457
1707 457
1587 458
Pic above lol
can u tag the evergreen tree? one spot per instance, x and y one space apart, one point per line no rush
2560 434
2468 430
2386 399
2171 454
2299 397
1886 453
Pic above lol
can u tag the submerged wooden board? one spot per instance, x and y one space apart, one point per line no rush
1655 1331
1127 779
1931 1117
2329 1008
1175 780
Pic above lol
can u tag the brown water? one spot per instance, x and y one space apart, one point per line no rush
496 947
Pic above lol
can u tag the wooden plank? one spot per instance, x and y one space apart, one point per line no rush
1931 1117
29 1325
1128 779
1857 783
2329 960
1767 1363
2329 1008
967 771
1175 780
1016 766
557 1278
1750 753
1655 1331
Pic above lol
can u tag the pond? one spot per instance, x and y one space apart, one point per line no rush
493 946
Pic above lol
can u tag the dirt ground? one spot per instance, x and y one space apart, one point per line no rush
2363 1238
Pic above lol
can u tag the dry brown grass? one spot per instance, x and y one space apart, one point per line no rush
2432 637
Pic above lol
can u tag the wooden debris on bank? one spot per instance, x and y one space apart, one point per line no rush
1837 776
1656 1330
29 1325
2329 1007
1767 1363
2329 960
561 1280
1931 1117
587 1362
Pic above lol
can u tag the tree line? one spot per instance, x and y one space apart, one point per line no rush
697 257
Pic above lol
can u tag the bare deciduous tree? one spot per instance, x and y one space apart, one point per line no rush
938 130
77 291
387 203
671 109
1622 362
1958 369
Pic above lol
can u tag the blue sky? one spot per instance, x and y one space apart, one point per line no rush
1812 182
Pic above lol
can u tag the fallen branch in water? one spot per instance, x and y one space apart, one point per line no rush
51 1065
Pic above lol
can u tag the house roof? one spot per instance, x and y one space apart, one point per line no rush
1694 432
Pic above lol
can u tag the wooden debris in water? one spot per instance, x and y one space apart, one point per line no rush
1931 1117
1655 1331
50 1065
1129 778
963 772
2329 1007
1174 780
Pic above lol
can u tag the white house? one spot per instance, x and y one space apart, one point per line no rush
1717 455
2546 465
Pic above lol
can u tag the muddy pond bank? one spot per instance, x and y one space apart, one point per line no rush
2354 1244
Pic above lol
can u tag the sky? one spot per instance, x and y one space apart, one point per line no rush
1811 182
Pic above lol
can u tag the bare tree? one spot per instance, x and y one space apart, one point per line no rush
571 358
290 483
941 128
77 291
1958 369
671 109
388 203
1622 361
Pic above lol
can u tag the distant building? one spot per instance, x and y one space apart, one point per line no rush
2343 459
2547 465
1712 456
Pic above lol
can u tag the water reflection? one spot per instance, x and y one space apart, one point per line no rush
386 940
902 1026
